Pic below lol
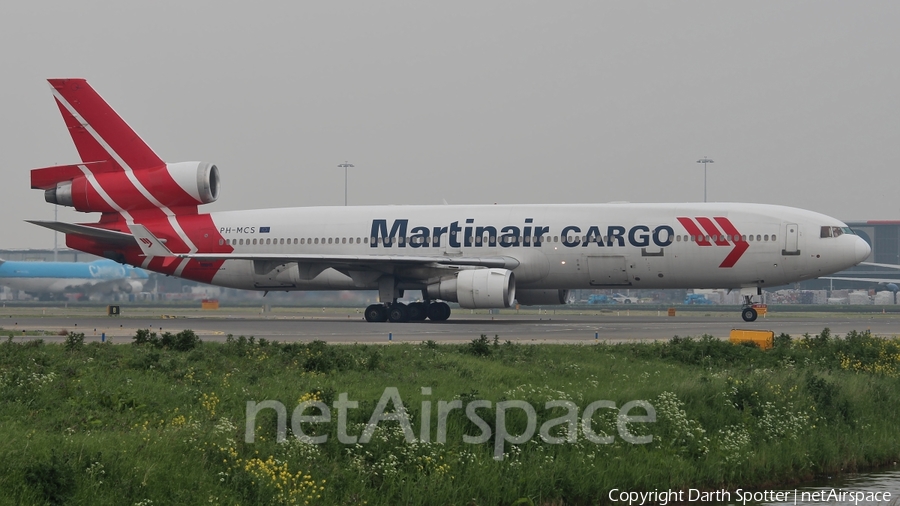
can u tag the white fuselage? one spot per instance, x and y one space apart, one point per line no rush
567 246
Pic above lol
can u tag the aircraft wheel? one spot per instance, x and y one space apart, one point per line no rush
749 314
398 313
439 311
418 311
376 313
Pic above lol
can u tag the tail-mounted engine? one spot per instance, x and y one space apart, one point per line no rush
477 288
103 187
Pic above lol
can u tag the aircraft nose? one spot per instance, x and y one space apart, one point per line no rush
863 250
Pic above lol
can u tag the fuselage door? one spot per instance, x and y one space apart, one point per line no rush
791 239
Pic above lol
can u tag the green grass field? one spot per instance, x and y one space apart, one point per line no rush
164 421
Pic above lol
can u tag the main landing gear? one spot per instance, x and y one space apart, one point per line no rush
400 312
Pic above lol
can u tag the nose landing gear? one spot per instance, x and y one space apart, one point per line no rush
748 313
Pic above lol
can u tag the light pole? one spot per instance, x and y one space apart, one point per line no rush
346 166
704 161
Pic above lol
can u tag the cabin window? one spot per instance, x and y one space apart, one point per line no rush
766 237
773 237
302 241
357 240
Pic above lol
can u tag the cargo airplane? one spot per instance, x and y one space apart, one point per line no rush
480 256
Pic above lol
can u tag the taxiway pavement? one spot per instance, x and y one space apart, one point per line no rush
349 327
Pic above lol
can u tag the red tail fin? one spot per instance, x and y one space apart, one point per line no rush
119 173
98 132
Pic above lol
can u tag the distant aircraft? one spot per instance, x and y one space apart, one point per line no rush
481 256
48 279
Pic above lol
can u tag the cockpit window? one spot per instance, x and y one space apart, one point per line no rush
835 231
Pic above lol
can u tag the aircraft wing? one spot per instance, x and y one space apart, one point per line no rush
868 280
865 280
886 266
360 260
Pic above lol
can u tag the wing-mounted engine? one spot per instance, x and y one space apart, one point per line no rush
477 288
132 286
102 187
542 297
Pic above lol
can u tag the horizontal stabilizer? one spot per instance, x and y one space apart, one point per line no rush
48 177
150 245
109 236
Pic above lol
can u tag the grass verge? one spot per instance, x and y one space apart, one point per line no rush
164 420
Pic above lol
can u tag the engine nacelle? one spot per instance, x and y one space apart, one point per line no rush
542 297
477 288
199 179
133 286
174 185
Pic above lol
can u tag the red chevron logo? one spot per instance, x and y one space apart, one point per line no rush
725 234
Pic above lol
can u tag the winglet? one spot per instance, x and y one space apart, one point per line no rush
150 245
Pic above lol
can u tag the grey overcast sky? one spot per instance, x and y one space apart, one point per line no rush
798 103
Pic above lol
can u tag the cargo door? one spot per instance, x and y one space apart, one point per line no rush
791 239
607 271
